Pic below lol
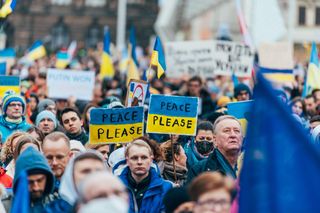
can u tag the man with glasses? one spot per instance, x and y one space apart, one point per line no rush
13 119
227 137
56 148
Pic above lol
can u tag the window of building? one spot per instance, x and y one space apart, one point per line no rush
95 3
317 21
61 2
302 15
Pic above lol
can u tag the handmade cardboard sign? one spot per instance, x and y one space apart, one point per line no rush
137 92
116 125
241 111
79 84
9 83
172 115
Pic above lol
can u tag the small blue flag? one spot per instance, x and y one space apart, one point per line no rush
3 68
21 201
281 166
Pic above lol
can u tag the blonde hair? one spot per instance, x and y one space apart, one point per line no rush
139 143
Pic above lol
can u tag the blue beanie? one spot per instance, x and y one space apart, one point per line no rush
46 114
9 97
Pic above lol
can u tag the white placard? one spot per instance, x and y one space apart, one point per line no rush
208 59
63 84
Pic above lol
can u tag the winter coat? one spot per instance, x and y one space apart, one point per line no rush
153 197
7 128
215 162
193 157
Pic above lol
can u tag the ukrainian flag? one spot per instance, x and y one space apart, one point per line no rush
158 62
277 75
8 55
62 60
312 80
36 51
133 71
7 8
106 69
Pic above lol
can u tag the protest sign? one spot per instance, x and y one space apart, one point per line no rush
276 61
9 83
137 92
208 58
116 125
241 111
172 115
65 83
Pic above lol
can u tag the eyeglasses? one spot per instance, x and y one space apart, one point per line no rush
212 203
15 105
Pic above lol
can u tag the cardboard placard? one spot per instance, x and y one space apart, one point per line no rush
172 115
240 110
116 125
63 84
137 92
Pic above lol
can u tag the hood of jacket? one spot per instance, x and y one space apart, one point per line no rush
33 162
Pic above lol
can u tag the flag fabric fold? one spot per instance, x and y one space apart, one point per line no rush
64 57
312 79
36 51
106 68
133 71
21 200
7 8
281 165
158 62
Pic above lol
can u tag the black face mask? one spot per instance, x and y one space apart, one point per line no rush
204 147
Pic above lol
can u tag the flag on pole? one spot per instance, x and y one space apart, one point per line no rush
158 62
64 57
8 55
133 71
7 8
21 199
106 68
312 79
36 51
281 165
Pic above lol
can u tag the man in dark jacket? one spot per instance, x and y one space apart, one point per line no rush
40 178
72 123
146 188
228 141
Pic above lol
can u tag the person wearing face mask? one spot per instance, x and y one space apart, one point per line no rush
100 191
201 146
227 136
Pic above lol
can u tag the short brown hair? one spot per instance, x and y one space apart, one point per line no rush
54 136
139 143
209 181
167 150
25 139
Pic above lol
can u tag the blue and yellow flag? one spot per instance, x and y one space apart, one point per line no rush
158 62
133 71
62 60
36 51
3 68
7 8
281 165
7 56
106 69
312 80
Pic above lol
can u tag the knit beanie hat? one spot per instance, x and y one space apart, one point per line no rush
9 97
46 114
43 104
241 87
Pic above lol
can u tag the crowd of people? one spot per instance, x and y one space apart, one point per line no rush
49 140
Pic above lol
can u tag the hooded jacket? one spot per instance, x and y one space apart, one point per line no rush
33 162
193 157
7 128
153 197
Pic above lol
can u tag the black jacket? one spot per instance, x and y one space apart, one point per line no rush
215 162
